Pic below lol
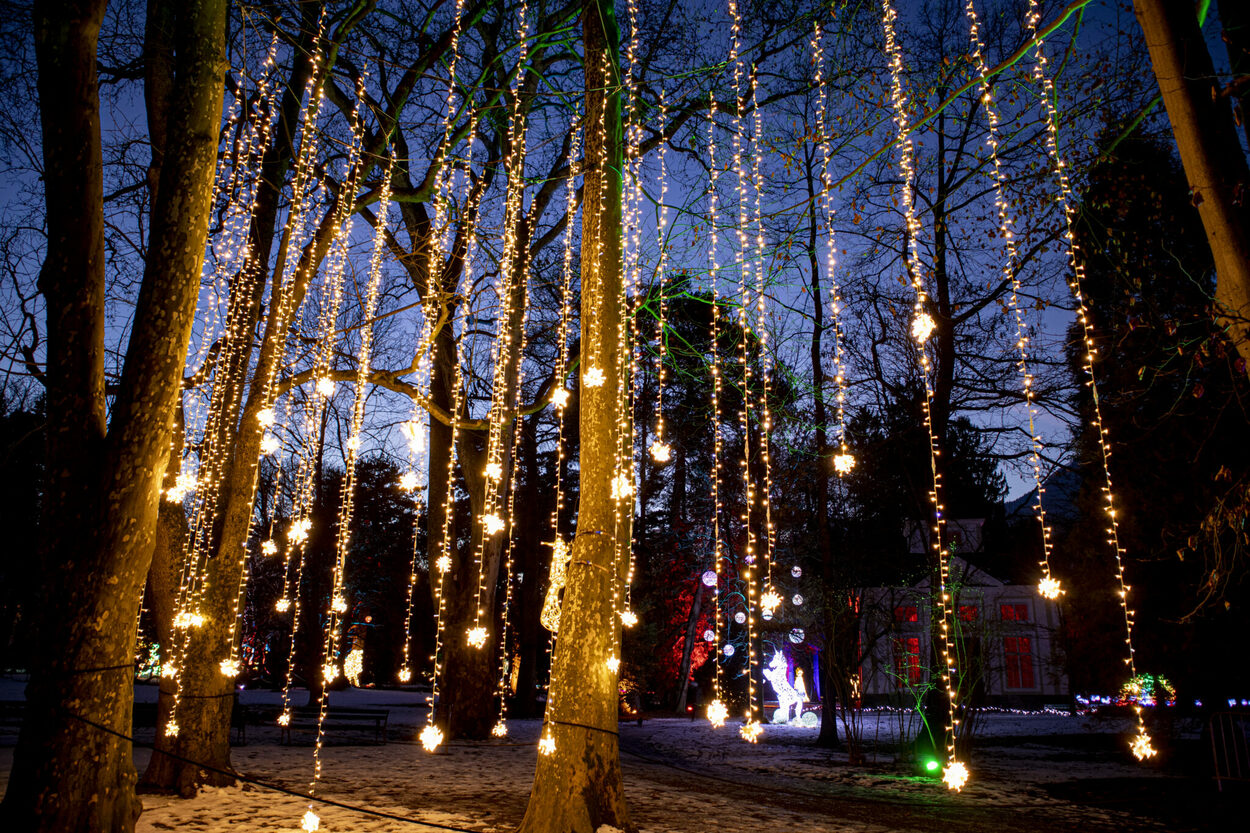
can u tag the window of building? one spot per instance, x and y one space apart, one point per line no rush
967 613
1015 612
907 661
1018 651
906 613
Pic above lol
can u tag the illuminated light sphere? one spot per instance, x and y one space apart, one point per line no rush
171 729
408 482
751 731
269 444
594 378
284 719
169 671
709 635
797 599
767 615
1049 588
661 452
728 650
796 571
311 822
230 668
709 578
922 327
354 666
560 397
797 635
477 637
956 776
353 443
494 471
500 730
716 713
186 620
493 524
184 484
414 432
266 417
405 674
299 530
932 765
546 744
629 618
443 564
613 663
339 604
740 617
1141 746
269 547
622 486
329 672
770 601
325 386
843 463
283 605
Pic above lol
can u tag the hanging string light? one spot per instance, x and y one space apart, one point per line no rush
660 450
956 773
1141 745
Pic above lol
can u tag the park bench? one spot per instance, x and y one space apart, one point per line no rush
338 718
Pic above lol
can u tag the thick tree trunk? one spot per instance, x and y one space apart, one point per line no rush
687 646
578 786
70 773
1214 163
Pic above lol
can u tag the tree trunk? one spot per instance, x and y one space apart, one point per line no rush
70 773
1214 163
578 786
687 646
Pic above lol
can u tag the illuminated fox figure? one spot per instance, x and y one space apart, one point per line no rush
787 697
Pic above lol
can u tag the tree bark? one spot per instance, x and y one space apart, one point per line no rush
578 786
1212 157
72 769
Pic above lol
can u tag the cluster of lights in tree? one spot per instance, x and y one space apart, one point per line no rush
492 524
922 327
408 481
751 730
298 533
311 822
283 605
955 776
354 666
546 743
186 620
477 636
443 563
560 397
499 730
230 668
594 378
622 486
717 712
661 452
613 663
770 601
629 618
843 463
184 484
269 547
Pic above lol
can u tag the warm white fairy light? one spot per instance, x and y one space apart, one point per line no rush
770 601
560 397
266 417
405 674
547 744
751 731
492 524
230 668
594 378
338 604
443 563
408 481
311 822
269 547
186 620
843 463
284 719
298 532
717 712
558 572
414 433
1049 588
184 484
354 666
477 636
661 452
613 663
494 471
922 326
1141 746
499 730
1067 200
325 387
269 444
622 487
171 729
282 605
629 618
955 776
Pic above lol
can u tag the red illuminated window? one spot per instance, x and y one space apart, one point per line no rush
907 660
1015 612
967 613
906 613
1018 652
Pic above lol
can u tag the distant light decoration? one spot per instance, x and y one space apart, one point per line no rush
728 650
477 637
354 666
408 482
405 674
1141 746
494 471
716 713
442 563
797 635
492 523
922 326
740 617
230 668
269 547
622 486
613 663
770 601
353 443
171 729
1049 588
709 635
594 378
843 463
284 719
414 433
1149 690
547 744
269 444
751 731
560 397
329 672
500 730
797 599
629 618
709 578
661 452
184 484
796 571
282 605
339 604
788 698
311 822
186 620
766 615
298 533
266 417
955 776
325 387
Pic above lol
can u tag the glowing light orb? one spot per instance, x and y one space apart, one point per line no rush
171 729
284 719
956 776
922 326
629 618
661 452
354 666
494 471
269 547
740 617
299 530
932 765
338 604
414 432
283 605
353 443
229 667
269 444
613 663
728 650
405 674
796 571
709 578
594 378
716 713
797 599
311 822
751 731
709 635
184 484
560 397
622 486
431 737
500 730
265 417
329 672
187 620
770 601
547 744
477 637
325 386
408 482
1049 588
797 635
1141 746
493 524
843 463
443 564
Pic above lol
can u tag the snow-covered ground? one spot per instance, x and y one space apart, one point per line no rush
680 775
